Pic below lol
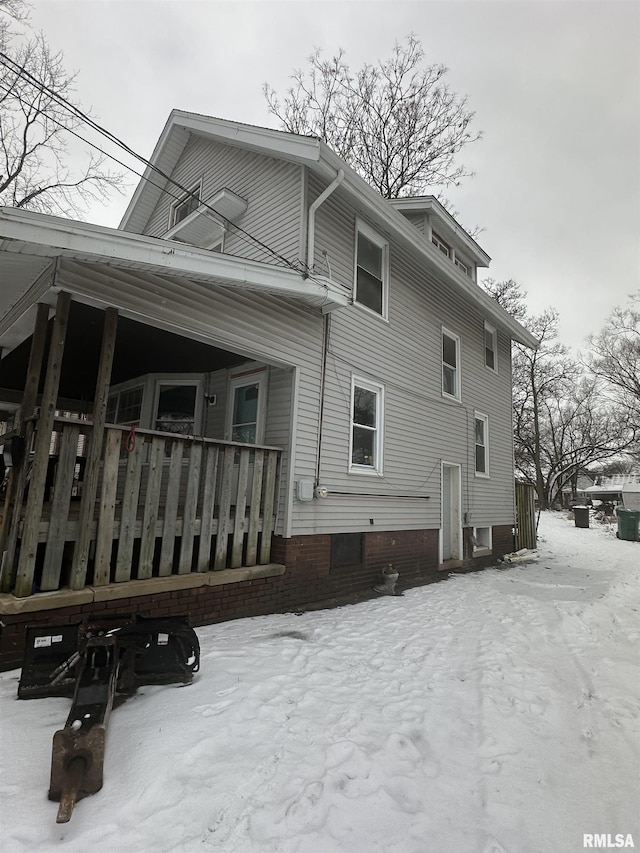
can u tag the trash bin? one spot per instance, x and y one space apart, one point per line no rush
581 516
628 523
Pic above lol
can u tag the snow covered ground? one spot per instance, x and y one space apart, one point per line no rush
495 712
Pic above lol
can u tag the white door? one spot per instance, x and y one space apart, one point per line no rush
451 533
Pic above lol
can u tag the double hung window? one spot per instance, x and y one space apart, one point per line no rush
365 453
372 271
482 444
450 364
490 347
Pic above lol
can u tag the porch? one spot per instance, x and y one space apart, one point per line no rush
163 505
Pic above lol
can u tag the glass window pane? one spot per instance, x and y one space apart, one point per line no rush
364 407
369 291
480 460
245 414
363 446
479 431
129 406
369 256
176 409
449 380
449 350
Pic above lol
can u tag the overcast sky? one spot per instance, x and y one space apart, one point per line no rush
555 85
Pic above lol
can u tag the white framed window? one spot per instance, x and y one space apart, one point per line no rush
450 364
437 242
371 284
481 445
247 408
482 539
463 267
490 347
185 205
366 432
177 406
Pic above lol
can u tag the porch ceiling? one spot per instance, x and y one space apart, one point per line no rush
139 349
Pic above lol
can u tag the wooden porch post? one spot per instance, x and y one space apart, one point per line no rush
33 513
92 469
18 475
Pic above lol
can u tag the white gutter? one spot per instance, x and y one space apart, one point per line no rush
311 225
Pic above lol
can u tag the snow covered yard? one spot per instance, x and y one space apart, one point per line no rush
495 712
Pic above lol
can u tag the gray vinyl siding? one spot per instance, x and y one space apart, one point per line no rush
272 189
421 427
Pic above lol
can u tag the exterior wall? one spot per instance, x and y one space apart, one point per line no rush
421 426
310 580
272 188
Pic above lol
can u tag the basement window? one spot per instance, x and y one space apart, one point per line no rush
482 539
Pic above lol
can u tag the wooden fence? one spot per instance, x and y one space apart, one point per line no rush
159 504
526 534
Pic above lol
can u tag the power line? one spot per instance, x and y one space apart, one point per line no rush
21 71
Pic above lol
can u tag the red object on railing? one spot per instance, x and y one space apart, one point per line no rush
130 440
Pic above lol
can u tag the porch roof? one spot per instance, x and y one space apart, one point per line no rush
31 244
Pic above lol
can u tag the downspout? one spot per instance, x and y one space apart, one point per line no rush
311 245
311 223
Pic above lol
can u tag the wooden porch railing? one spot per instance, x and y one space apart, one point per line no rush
163 504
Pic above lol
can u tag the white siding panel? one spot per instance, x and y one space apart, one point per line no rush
271 187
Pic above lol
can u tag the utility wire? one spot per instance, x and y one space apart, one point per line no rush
21 71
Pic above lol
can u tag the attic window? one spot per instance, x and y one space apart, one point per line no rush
189 202
462 266
440 245
201 222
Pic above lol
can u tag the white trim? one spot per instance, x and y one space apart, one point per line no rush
377 468
458 377
383 244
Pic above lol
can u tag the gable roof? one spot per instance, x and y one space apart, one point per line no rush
321 160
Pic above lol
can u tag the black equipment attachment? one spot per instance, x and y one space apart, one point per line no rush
91 662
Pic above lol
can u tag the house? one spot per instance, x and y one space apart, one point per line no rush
261 389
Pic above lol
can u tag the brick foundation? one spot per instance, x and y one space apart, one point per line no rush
305 575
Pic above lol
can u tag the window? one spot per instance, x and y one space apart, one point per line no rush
440 245
176 407
482 539
125 407
372 271
450 361
366 427
462 266
490 347
482 445
184 206
247 406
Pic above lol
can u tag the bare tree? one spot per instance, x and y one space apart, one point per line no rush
560 423
615 356
39 129
396 123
